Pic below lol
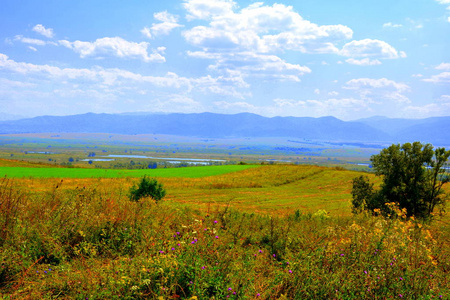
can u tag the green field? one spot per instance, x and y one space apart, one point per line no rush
188 172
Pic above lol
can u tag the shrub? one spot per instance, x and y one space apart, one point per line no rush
147 188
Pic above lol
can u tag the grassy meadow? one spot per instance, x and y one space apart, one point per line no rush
231 232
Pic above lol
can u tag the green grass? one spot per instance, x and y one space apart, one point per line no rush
188 172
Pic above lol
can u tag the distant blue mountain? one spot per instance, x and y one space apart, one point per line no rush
238 125
434 130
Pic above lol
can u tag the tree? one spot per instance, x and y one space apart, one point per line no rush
412 177
147 188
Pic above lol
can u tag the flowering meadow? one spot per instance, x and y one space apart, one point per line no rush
89 241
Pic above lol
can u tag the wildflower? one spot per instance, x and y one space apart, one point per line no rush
161 252
290 271
217 236
401 278
173 249
234 293
342 254
274 255
193 242
178 233
257 295
400 295
215 221
365 272
260 251
230 289
203 267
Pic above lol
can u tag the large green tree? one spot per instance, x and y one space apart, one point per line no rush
412 176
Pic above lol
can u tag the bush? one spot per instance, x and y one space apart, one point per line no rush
147 188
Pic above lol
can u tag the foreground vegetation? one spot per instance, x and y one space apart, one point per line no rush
261 233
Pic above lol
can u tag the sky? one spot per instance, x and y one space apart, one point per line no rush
309 58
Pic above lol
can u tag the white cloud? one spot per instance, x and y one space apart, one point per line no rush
448 19
260 28
252 64
117 83
317 91
391 25
146 31
429 110
443 66
370 48
376 90
363 62
376 84
443 77
115 46
206 9
174 103
168 23
344 108
25 40
32 48
47 32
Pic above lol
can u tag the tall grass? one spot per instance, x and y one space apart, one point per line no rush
91 242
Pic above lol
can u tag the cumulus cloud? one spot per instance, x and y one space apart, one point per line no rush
371 49
115 46
259 28
47 32
363 62
443 66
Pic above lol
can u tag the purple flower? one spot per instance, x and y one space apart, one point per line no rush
193 242
217 236
401 278
230 289
400 295
365 272
173 248
203 267
342 254
178 233
257 295
215 221
274 255
290 271
161 252
234 293
260 251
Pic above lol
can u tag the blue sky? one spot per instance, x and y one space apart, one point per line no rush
348 59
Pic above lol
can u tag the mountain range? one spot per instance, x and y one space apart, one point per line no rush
211 125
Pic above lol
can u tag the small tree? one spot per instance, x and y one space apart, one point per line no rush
413 176
147 188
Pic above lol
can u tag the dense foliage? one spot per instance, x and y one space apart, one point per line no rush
413 176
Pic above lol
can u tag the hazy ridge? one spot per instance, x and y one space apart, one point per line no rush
376 129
